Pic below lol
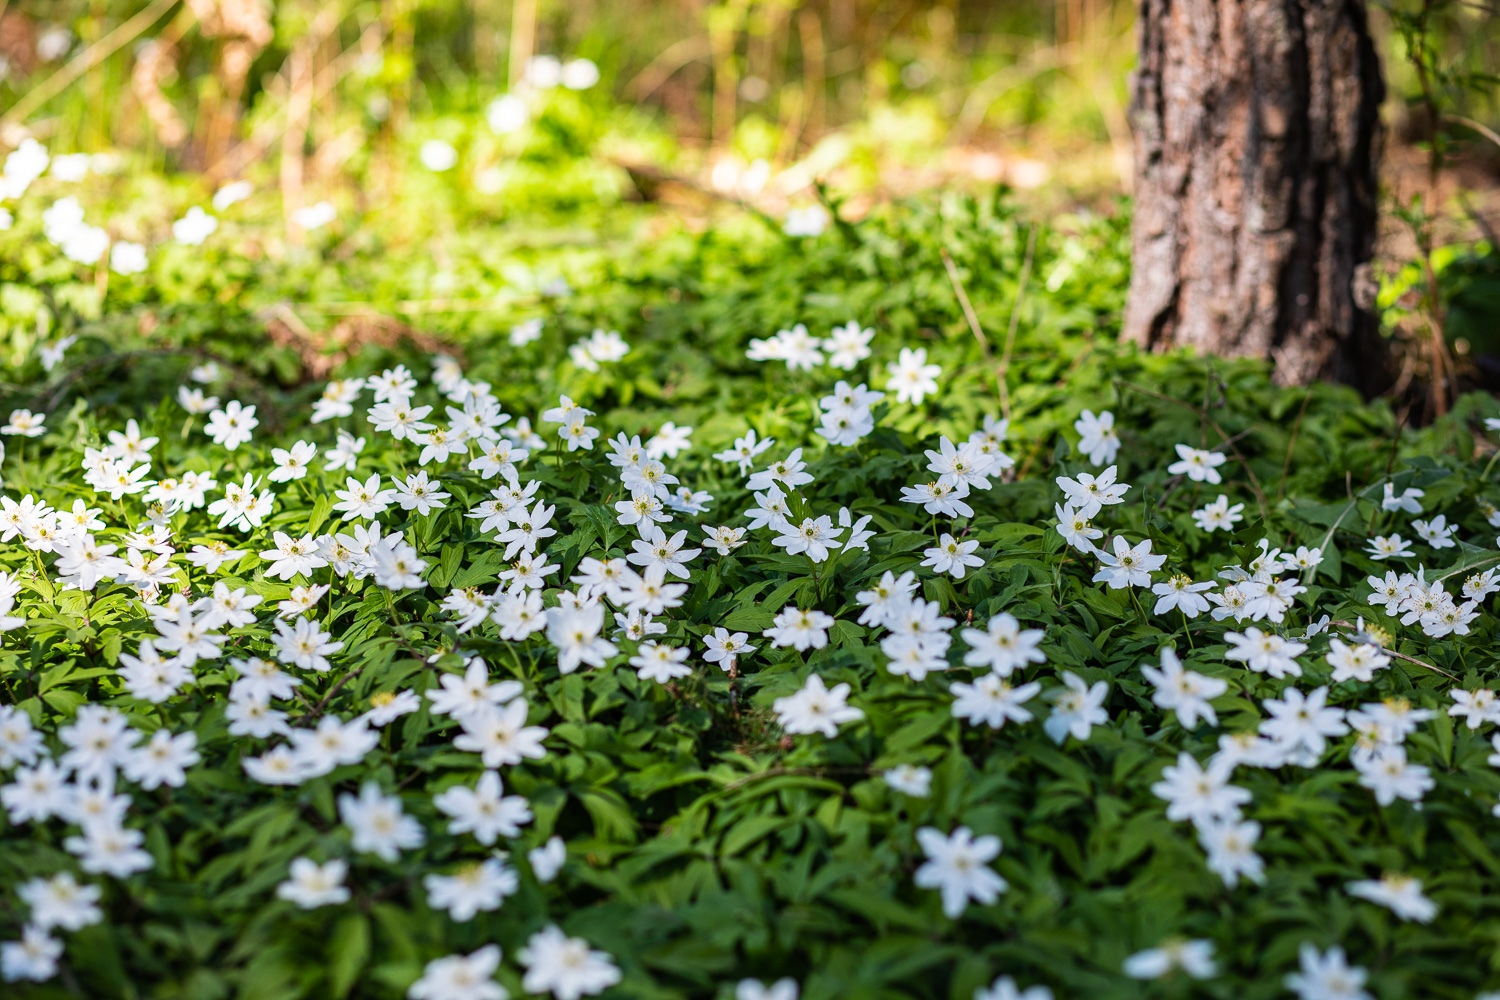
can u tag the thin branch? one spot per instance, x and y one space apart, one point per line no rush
1015 309
1479 127
973 320
1402 656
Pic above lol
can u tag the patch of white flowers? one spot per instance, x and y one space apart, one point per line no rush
613 611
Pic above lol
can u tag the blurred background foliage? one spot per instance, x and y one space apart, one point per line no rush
672 115
881 96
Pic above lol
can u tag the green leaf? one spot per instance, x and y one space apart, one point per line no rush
348 950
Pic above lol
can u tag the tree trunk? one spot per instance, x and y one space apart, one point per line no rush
1257 133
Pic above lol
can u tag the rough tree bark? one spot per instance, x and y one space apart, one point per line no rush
1256 139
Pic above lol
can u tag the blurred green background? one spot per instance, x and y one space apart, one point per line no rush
752 99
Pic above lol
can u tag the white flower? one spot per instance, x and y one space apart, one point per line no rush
1181 593
848 345
579 74
24 423
473 889
127 258
1197 464
1219 515
1407 501
1098 439
312 885
1401 894
378 824
1389 547
506 114
1438 532
1391 776
437 155
1076 529
416 492
1005 988
543 72
808 221
293 556
344 454
912 378
161 760
231 194
725 648
315 216
1186 692
194 227
305 645
1358 662
745 451
35 956
802 630
724 540
939 498
1230 845
754 989
461 977
546 861
669 440
1327 976
1128 566
1004 646
60 901
1199 794
1077 708
484 810
1266 652
952 556
814 537
788 472
1088 494
908 779
500 735
575 633
957 866
1303 720
232 425
816 709
565 967
291 463
1475 707
1196 958
660 663
992 701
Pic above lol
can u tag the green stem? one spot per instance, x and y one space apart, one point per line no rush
1490 465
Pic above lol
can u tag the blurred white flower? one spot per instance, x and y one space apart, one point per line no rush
544 72
809 221
70 167
437 155
315 216
506 114
194 227
230 194
580 74
127 258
